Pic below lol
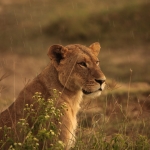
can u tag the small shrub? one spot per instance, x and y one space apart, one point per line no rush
43 129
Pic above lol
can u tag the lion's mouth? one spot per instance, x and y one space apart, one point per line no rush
88 92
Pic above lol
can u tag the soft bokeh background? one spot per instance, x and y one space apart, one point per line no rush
29 27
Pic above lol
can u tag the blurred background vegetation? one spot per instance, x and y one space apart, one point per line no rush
29 27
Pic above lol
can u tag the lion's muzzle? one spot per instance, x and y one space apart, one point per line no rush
88 90
101 82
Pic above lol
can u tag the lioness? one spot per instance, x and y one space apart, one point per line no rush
74 70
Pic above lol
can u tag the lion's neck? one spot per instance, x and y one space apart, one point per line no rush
74 101
50 78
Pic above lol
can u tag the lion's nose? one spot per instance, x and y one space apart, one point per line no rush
100 81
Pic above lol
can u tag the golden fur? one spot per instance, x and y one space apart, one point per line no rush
74 71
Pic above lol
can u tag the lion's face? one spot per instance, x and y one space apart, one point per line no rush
78 67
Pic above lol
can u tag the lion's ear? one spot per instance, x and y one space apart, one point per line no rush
56 53
95 47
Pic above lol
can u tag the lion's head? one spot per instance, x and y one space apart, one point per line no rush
78 67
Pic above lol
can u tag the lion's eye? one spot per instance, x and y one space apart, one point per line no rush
97 63
82 64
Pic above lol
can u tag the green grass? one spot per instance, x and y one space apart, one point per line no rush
28 27
113 128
